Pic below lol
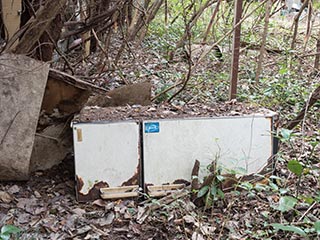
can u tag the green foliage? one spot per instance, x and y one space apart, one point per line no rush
316 5
283 89
288 228
286 203
9 231
212 191
295 167
203 191
285 135
317 227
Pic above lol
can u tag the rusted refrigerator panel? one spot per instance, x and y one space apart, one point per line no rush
107 159
170 146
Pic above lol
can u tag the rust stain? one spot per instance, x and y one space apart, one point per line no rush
181 181
134 180
94 192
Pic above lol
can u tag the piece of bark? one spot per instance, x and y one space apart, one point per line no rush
137 93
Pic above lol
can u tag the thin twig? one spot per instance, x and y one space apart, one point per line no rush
263 41
188 76
306 212
296 24
48 137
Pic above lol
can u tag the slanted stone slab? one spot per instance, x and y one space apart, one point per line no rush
22 85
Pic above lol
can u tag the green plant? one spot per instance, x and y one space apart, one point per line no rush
211 189
289 228
9 231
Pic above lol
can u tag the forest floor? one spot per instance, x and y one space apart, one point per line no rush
45 208
282 205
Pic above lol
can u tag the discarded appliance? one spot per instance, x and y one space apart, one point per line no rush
107 157
171 146
157 155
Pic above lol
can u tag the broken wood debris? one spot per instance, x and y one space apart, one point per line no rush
119 192
163 190
64 96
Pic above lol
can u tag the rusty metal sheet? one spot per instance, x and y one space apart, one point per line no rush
171 146
106 155
22 85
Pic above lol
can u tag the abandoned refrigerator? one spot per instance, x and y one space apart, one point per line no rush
146 148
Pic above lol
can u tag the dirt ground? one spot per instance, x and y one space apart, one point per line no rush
45 208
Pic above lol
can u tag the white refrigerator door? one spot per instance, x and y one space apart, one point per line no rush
170 147
106 154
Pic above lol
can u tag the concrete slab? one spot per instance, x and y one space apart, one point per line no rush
22 85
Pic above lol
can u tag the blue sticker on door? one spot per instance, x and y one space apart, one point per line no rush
151 127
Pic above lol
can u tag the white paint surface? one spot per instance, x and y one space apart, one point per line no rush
296 4
240 143
108 152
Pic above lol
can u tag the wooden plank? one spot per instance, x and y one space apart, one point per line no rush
119 192
119 189
163 190
165 187
119 195
11 10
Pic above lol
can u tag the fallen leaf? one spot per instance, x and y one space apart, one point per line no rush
108 220
197 236
189 219
5 197
37 194
13 189
207 230
24 218
83 230
143 213
109 206
178 221
100 203
94 214
79 211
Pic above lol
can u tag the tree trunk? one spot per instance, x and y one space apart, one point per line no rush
236 50
263 41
